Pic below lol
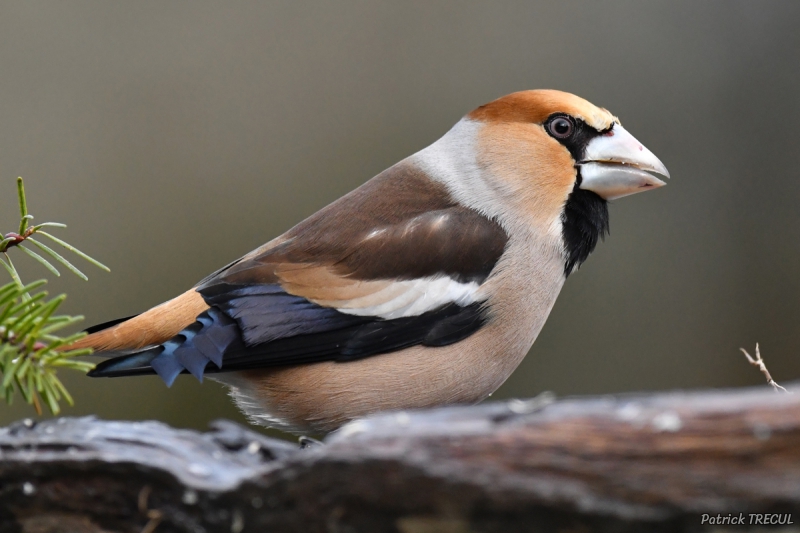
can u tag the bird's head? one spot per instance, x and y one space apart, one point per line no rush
553 160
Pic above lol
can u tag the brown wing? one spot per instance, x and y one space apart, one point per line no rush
394 263
399 226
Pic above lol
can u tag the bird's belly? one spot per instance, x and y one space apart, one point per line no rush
319 398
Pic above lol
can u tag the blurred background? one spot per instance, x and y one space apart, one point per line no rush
173 137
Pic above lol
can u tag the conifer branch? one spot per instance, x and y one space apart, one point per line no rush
31 351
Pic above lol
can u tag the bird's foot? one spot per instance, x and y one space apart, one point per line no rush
308 442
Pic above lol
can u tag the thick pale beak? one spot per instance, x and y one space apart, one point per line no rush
617 165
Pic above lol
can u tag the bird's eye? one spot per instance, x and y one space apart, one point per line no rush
561 127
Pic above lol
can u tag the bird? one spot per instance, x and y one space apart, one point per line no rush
426 286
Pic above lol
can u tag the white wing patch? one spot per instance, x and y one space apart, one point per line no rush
412 297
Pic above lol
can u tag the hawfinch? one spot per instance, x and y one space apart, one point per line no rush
425 286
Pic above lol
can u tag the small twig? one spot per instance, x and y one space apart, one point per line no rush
759 362
154 519
144 495
154 516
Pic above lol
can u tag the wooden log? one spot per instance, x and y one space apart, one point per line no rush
683 461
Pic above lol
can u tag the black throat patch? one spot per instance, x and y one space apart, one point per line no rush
584 222
585 217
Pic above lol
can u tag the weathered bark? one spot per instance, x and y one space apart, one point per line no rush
616 464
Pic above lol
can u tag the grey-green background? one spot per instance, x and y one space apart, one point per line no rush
173 137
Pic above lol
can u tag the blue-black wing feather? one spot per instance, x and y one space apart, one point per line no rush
300 332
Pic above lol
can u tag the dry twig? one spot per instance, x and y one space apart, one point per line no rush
759 362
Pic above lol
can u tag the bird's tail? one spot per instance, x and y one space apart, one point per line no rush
135 364
137 339
191 350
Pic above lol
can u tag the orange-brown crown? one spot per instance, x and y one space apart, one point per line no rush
536 106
